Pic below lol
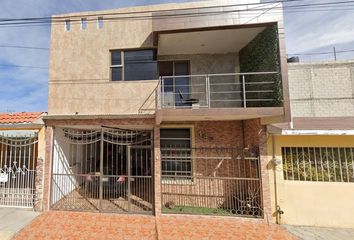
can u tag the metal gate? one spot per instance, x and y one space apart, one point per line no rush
18 159
105 170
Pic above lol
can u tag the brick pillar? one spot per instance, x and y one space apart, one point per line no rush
38 202
264 161
47 168
157 170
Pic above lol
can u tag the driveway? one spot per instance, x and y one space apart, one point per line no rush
13 220
75 225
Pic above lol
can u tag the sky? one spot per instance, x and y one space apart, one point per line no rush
25 89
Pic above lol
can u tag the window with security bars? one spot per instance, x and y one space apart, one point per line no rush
176 152
322 164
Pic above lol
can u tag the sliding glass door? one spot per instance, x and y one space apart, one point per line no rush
176 82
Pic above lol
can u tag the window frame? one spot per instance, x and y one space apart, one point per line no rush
83 23
325 164
99 22
122 51
67 25
189 178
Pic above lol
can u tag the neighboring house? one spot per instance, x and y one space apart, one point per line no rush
315 175
22 152
162 109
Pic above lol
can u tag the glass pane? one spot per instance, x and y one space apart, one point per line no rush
140 65
166 68
181 68
83 23
116 73
100 22
116 58
168 84
175 133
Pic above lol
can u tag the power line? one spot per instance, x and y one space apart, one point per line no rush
20 66
320 53
23 47
47 20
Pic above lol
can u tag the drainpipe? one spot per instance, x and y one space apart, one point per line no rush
277 208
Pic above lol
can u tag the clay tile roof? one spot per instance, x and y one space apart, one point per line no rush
19 118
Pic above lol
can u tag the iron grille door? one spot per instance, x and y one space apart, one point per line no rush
18 160
105 170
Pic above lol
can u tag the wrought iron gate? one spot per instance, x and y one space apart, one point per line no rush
105 170
18 159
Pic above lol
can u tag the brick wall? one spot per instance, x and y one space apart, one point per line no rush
322 89
218 192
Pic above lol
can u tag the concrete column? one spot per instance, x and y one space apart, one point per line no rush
157 170
38 202
264 161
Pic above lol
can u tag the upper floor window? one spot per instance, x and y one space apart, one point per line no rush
100 22
83 23
67 25
132 65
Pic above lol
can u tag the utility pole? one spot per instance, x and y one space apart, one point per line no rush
335 53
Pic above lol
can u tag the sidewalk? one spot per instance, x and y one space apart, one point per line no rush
76 225
13 220
319 233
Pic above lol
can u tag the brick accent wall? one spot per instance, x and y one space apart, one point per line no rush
220 134
256 135
322 89
38 204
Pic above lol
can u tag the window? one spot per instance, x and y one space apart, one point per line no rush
67 25
176 159
83 23
324 164
175 86
132 65
100 22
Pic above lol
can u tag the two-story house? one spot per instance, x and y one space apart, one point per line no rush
162 109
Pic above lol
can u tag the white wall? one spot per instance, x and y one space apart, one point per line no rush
322 89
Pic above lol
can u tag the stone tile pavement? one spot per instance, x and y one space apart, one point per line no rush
13 220
75 225
320 233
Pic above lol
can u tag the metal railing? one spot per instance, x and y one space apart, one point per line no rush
321 164
226 90
217 181
18 163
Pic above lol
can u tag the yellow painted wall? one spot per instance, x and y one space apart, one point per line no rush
326 204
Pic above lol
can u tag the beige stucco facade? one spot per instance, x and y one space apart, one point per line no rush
80 58
323 204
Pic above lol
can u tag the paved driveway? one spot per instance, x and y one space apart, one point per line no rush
74 225
13 220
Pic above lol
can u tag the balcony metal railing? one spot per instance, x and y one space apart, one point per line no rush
225 90
219 90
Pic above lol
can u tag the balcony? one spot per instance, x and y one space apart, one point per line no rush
227 90
224 96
